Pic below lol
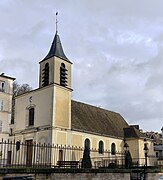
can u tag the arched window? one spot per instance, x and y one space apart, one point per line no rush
113 149
87 144
101 147
63 75
45 78
31 116
2 86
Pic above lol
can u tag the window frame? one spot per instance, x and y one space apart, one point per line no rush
101 147
113 149
31 116
2 86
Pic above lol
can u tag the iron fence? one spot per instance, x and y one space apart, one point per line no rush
28 154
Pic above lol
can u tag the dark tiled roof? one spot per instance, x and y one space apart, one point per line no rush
56 49
7 77
95 120
132 132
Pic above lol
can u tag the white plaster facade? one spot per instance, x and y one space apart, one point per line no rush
6 91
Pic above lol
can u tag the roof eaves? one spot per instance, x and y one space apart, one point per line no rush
7 77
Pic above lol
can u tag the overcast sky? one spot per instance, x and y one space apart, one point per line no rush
116 48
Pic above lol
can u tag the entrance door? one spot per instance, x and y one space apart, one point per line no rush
9 157
29 144
60 155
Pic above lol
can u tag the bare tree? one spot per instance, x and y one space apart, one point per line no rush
18 89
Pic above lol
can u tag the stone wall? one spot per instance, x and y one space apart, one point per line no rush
75 176
82 176
155 176
88 176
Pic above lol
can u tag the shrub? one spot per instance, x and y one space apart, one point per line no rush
86 161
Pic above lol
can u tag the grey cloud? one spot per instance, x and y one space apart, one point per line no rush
22 70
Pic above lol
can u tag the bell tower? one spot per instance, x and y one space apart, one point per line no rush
55 68
55 72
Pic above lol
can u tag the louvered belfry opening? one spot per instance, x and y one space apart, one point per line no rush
63 75
45 78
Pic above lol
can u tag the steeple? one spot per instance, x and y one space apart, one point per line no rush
56 49
55 68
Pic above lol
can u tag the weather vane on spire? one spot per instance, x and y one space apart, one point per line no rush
56 22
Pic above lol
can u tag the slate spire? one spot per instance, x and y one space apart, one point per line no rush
56 47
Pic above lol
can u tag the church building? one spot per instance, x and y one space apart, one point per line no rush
49 115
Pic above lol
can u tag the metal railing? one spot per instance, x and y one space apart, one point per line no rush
19 154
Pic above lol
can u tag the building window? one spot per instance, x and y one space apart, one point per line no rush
2 86
63 75
1 105
11 132
87 144
113 149
45 75
101 147
31 117
157 154
0 126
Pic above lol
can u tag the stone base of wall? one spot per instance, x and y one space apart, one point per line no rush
75 176
155 176
81 176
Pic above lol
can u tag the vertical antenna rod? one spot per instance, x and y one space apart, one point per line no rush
56 22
